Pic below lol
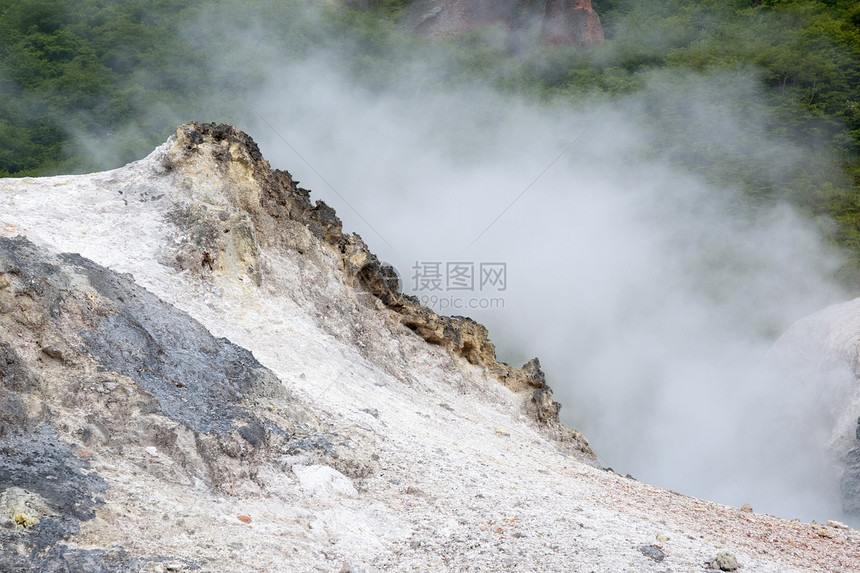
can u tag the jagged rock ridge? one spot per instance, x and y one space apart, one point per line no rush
271 201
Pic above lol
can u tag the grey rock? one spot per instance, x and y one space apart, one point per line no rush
53 352
254 433
654 552
724 561
850 482
13 375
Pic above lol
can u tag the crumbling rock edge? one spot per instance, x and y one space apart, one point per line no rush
272 204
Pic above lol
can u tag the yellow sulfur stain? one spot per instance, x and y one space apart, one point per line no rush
24 520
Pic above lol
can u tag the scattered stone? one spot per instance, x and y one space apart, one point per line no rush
822 531
351 568
655 552
747 508
53 352
724 561
502 433
412 490
253 433
372 411
245 518
836 524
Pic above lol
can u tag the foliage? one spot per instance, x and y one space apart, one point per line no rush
390 8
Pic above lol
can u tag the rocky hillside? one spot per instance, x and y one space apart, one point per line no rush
562 22
200 371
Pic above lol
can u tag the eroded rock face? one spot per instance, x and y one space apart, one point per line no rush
571 23
562 22
850 482
279 211
92 364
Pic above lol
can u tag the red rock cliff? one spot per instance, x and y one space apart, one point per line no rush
571 23
446 18
563 22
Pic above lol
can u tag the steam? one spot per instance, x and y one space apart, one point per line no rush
651 296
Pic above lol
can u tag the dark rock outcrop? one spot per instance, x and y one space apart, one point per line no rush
850 481
562 22
125 372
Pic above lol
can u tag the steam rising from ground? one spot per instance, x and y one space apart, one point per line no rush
651 297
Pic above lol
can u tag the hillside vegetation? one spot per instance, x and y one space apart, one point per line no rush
95 83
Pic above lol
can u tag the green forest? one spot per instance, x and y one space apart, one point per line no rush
119 75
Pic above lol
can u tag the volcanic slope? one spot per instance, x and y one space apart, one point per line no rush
219 377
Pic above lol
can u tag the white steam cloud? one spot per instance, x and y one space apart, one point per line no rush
651 296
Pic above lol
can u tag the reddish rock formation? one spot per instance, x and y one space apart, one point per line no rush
571 23
446 18
563 22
